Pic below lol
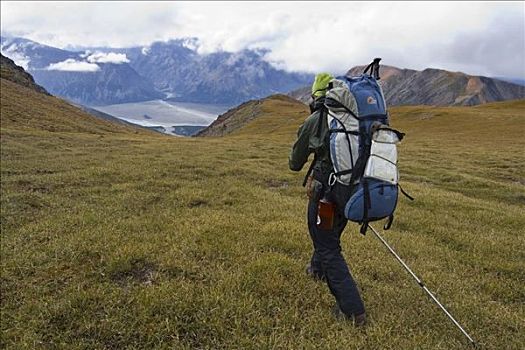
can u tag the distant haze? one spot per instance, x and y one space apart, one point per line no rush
477 38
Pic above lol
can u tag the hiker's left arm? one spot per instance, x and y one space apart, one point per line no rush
300 150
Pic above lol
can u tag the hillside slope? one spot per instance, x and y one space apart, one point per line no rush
112 238
26 105
261 112
10 71
25 109
435 87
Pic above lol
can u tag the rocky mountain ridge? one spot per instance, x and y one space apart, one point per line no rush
434 87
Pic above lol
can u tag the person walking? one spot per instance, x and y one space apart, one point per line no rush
327 263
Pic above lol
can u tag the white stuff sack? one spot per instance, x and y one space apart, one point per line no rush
382 164
339 147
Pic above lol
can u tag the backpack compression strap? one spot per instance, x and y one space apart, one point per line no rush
374 68
366 205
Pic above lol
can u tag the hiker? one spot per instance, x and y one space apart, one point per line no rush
327 263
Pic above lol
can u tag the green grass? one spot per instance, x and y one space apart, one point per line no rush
114 238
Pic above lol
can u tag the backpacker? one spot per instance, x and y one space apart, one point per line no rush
363 147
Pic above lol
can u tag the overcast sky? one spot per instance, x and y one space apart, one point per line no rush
485 38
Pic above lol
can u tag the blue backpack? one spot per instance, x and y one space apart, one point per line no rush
363 147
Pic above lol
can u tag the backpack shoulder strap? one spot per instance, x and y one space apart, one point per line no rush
305 180
323 112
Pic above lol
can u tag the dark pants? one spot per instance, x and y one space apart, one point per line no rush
327 261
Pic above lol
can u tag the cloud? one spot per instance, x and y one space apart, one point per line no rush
12 52
111 57
488 52
191 43
90 64
72 65
307 36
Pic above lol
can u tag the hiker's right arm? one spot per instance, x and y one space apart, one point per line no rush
301 148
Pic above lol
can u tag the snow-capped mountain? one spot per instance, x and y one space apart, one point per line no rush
220 77
173 70
90 78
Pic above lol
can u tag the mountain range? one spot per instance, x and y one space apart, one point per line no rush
67 74
434 87
172 70
219 78
175 70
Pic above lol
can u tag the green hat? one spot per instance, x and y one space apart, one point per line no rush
321 84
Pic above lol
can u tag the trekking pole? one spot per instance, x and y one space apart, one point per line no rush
423 286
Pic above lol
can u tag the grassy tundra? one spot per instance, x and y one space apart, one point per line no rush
118 238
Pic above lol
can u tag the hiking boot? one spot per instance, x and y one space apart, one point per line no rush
313 275
358 320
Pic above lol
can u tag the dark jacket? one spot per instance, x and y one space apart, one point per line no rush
313 137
